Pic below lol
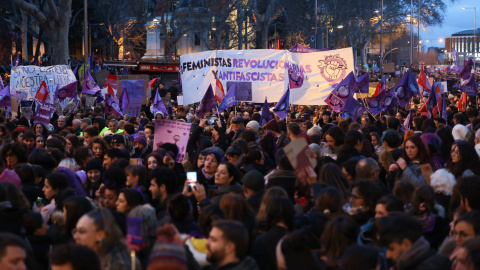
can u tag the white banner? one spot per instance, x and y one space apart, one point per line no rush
26 80
266 73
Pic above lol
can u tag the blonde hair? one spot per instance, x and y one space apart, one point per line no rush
69 163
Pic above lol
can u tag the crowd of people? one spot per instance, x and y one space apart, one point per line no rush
385 195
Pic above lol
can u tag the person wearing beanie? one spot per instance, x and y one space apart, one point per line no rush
254 126
142 149
253 189
94 170
168 251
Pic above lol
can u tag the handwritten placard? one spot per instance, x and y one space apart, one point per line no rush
175 132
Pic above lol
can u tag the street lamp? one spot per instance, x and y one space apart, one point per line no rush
474 30
331 27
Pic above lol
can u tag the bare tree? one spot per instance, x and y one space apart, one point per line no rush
55 21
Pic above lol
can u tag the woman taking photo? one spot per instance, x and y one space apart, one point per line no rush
408 167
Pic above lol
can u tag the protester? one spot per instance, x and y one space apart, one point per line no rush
392 178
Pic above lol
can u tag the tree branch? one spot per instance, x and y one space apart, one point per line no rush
30 31
53 9
34 11
75 17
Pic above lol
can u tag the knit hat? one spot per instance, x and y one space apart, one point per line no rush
10 176
253 125
118 138
253 180
431 139
93 164
272 125
460 133
141 139
167 253
217 155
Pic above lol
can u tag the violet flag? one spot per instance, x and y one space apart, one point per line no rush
67 91
469 85
362 84
75 70
5 97
353 109
467 70
111 106
207 103
407 122
283 105
230 98
89 85
17 60
444 107
266 116
1 83
134 233
405 89
432 100
346 87
124 100
158 105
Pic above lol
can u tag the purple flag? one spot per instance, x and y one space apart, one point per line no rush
17 60
124 100
266 116
158 105
362 84
68 91
207 103
344 90
230 98
298 48
405 89
353 109
295 78
90 61
75 71
346 87
467 70
432 100
334 102
111 107
5 97
1 83
373 104
283 105
407 122
134 233
469 85
89 85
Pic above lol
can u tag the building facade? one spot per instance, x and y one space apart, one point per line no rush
464 45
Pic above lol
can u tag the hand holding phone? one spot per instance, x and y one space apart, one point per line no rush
191 178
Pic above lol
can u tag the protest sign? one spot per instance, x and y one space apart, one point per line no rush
43 113
136 86
180 100
266 73
302 160
25 80
26 108
176 132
